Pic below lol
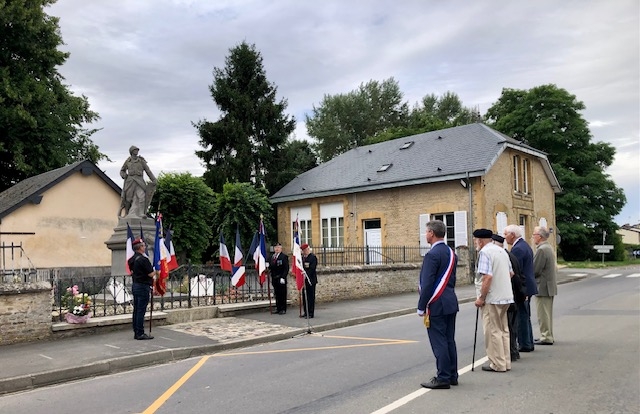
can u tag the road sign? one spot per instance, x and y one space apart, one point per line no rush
603 246
603 250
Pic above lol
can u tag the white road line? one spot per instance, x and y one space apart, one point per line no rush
112 346
634 275
168 339
612 275
410 397
44 356
577 274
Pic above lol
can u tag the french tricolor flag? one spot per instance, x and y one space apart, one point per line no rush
238 278
129 249
225 259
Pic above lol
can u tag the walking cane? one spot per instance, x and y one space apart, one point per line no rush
475 339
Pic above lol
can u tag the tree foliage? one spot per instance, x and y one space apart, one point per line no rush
375 112
187 205
41 121
432 114
548 118
240 145
240 205
345 121
295 158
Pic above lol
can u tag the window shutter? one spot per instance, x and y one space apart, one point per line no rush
460 227
422 230
501 222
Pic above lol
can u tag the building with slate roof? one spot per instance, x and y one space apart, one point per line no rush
61 218
383 194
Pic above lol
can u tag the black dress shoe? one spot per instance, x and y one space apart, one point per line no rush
515 357
435 384
525 350
143 337
541 342
453 382
282 313
303 315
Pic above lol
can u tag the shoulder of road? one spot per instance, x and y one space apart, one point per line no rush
38 364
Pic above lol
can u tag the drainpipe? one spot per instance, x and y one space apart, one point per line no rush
472 249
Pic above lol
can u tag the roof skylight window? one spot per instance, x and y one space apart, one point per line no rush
384 167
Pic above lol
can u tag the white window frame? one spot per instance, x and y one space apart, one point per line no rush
458 227
525 175
304 220
332 225
516 173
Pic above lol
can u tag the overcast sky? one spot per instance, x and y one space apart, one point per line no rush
146 65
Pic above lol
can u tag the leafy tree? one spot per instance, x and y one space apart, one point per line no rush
40 119
253 127
345 121
548 118
433 114
187 205
295 158
240 205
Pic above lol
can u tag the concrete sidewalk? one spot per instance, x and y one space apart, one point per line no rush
33 365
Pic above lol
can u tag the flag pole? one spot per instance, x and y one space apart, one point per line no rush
151 312
269 293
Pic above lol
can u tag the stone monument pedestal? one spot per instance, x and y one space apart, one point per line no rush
118 241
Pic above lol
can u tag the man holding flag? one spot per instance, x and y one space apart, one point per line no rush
309 263
279 269
143 277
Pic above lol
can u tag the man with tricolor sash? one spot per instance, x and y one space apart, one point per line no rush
438 305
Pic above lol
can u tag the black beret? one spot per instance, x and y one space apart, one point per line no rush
482 233
497 238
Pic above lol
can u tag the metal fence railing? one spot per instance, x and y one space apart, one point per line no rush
188 286
368 255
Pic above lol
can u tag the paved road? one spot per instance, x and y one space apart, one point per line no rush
33 365
376 368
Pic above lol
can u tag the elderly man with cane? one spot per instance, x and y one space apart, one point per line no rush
494 295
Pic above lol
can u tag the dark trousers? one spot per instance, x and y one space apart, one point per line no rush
280 292
442 333
512 321
309 299
525 332
141 294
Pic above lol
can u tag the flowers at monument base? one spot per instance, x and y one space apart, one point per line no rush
76 302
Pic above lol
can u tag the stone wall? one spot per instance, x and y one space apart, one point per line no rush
358 282
25 312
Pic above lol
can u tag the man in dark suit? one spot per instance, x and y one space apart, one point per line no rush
524 254
310 263
279 269
518 297
438 303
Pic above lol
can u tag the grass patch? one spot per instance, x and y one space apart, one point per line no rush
599 265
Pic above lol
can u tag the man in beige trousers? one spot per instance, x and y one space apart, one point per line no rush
544 269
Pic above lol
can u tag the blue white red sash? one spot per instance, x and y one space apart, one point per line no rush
444 279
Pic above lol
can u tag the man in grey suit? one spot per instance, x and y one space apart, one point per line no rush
544 268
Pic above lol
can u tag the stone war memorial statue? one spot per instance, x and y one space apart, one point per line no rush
136 192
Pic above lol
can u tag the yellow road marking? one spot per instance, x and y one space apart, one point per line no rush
278 351
168 393
172 390
366 339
